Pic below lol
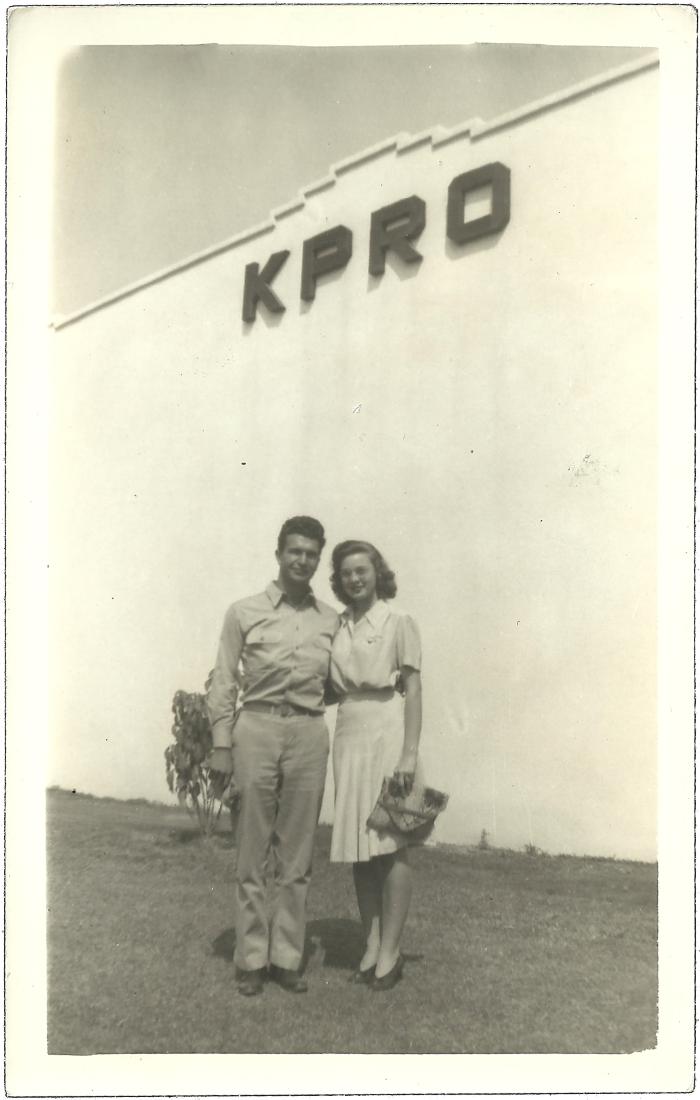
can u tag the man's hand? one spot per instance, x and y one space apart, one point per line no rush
220 760
220 763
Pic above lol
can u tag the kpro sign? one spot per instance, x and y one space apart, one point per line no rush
392 228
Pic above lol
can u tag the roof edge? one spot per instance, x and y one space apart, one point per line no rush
594 83
399 144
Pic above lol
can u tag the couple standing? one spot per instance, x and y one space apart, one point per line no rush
290 653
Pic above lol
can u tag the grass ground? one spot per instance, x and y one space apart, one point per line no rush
506 952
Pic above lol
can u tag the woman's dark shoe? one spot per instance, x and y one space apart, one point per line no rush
388 981
362 977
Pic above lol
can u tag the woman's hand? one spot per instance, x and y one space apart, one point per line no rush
405 770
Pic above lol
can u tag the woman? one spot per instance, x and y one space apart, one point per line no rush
375 651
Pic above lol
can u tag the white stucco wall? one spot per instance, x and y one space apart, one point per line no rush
487 418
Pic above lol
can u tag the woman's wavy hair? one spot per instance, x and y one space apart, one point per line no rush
386 584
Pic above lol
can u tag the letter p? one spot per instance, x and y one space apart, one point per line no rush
326 252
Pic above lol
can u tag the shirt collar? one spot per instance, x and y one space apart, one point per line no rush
276 595
376 616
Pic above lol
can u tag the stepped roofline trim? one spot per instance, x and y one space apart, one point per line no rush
400 144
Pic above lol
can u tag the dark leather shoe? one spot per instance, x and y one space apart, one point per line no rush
388 981
362 977
250 982
291 980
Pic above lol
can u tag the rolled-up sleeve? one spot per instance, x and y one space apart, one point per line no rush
221 697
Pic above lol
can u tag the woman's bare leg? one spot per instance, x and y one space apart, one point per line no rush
395 900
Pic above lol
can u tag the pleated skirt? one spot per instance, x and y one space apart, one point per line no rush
367 746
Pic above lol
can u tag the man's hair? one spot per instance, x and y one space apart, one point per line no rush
307 526
386 582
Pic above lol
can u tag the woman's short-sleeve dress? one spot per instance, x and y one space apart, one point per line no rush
366 659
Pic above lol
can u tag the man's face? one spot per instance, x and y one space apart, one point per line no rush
298 560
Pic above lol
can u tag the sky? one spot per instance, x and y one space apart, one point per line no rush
163 151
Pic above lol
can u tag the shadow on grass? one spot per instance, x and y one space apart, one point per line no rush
332 941
193 835
184 836
340 943
335 942
224 944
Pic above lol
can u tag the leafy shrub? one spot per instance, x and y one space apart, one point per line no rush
188 775
532 850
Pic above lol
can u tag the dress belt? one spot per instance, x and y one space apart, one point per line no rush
370 694
282 710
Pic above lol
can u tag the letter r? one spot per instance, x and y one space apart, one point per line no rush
386 234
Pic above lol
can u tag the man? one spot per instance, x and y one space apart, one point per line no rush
277 747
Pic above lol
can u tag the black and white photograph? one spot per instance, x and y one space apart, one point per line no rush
350 505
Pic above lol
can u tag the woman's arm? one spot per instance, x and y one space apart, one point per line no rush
412 719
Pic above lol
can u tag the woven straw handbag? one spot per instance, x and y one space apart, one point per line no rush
411 814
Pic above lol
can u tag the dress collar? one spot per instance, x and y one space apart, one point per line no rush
376 616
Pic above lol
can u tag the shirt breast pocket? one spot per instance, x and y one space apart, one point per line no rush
263 635
262 646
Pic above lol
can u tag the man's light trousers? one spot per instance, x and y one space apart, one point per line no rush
279 767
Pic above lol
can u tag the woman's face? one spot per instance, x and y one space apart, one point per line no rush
358 578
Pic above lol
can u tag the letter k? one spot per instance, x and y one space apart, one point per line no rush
257 289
